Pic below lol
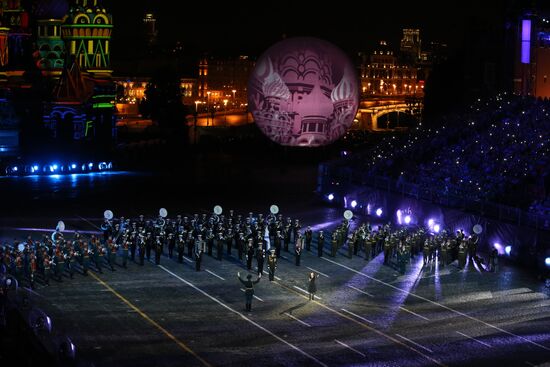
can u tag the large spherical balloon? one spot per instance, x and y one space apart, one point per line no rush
303 92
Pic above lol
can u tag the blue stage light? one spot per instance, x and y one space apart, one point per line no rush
15 169
353 203
73 166
55 167
379 212
90 165
547 261
407 219
430 222
436 228
330 197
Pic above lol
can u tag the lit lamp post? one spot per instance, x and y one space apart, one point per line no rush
208 107
225 111
234 102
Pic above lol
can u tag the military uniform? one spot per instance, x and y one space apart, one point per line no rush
248 289
199 250
298 250
272 264
249 255
260 256
320 244
308 235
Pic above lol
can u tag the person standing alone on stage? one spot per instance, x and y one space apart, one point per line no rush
248 288
312 286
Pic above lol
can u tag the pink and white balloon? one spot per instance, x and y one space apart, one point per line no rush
304 92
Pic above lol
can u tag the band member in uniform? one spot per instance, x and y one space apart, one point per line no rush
260 257
125 249
272 264
320 244
219 246
158 250
200 246
47 271
298 248
142 249
248 289
308 234
180 247
249 254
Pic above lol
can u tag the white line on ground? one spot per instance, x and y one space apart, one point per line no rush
317 271
258 298
415 343
347 346
244 317
474 339
360 290
297 319
438 304
214 274
414 313
276 277
306 292
188 259
356 315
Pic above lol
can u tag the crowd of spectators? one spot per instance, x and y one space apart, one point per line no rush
498 151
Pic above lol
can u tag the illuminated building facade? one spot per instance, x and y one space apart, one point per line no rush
224 79
69 42
532 57
382 74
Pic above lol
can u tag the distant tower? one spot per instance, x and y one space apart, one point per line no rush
411 44
203 77
87 35
50 48
150 25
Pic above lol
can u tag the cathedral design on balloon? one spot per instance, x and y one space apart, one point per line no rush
304 92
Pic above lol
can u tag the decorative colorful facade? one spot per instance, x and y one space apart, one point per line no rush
68 41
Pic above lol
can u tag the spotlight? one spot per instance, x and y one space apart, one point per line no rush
15 169
508 250
547 261
353 203
73 166
379 212
330 197
407 219
90 166
436 228
430 222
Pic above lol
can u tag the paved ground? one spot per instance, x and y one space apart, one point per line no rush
366 313
170 315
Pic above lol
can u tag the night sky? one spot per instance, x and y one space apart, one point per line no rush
234 27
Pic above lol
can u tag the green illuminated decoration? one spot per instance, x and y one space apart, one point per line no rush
102 105
89 125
